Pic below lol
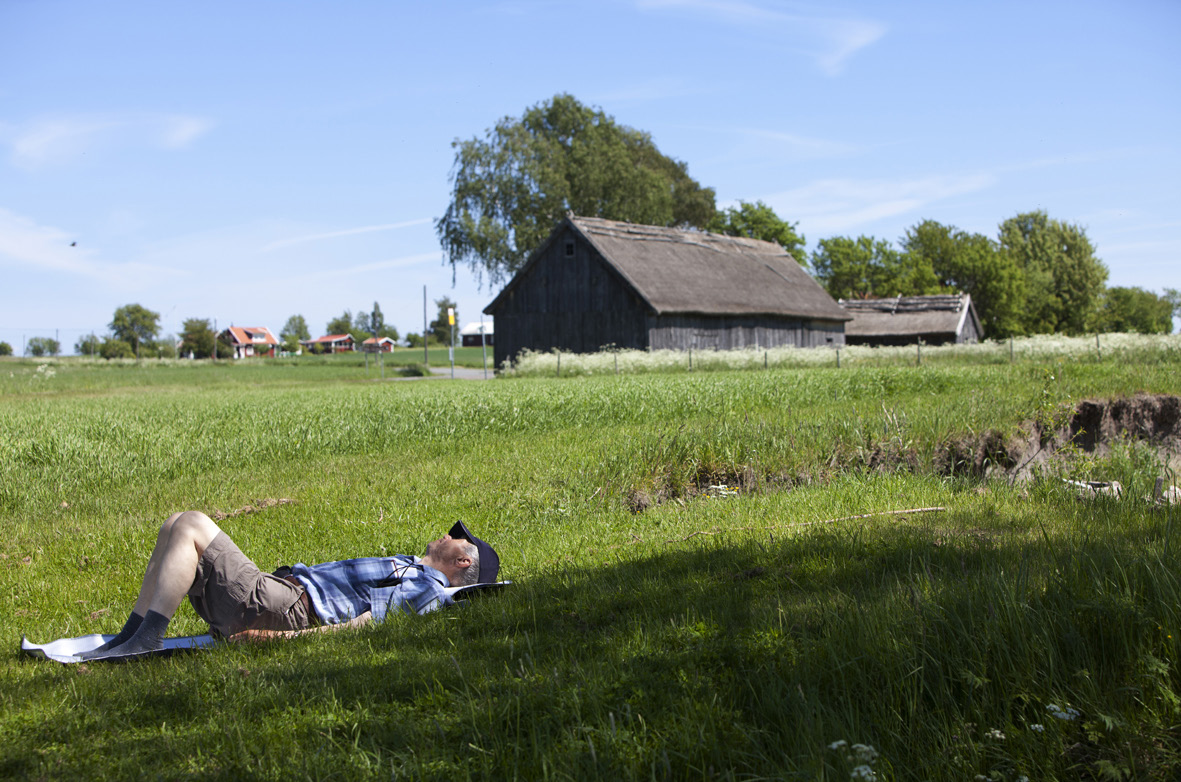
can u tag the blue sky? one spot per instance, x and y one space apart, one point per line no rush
251 161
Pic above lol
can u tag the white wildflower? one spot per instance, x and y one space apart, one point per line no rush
1038 727
864 753
863 772
839 744
1069 713
995 734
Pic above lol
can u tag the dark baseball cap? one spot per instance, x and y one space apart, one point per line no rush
489 561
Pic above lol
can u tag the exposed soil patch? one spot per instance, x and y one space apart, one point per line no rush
260 505
1093 427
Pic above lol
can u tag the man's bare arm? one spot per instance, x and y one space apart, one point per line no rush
266 635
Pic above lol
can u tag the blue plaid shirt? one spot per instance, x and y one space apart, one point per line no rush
340 591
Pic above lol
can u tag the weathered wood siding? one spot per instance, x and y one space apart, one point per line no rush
702 332
571 299
571 302
968 334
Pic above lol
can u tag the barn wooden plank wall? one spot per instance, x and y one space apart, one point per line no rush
697 332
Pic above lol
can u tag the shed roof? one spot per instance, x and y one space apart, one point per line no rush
910 315
476 328
696 272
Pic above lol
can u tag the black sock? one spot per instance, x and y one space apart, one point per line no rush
148 637
133 623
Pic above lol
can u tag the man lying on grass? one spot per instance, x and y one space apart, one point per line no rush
240 602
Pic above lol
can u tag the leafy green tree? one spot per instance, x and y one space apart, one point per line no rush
972 264
197 338
511 187
1135 309
135 325
42 346
414 340
759 221
295 329
867 267
115 348
5 349
440 328
341 325
1173 297
87 345
1063 279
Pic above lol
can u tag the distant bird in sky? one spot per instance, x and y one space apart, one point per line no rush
73 244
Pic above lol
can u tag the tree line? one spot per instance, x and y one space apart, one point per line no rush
134 332
513 185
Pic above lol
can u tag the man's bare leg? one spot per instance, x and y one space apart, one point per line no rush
171 569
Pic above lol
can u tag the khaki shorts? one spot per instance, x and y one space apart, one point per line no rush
232 594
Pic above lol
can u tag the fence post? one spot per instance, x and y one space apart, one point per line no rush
918 362
1098 350
838 358
558 373
764 359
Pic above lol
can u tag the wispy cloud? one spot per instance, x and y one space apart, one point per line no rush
802 146
178 132
375 266
275 245
829 40
837 205
53 141
29 246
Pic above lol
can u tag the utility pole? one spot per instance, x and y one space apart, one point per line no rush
484 346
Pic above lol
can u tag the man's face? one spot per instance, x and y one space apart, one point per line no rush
446 549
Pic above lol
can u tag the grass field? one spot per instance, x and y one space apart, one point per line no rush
734 633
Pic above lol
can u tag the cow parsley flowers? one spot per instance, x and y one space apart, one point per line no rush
861 757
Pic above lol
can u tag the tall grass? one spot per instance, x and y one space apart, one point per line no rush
1046 347
710 636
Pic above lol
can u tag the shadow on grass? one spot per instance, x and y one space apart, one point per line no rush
732 658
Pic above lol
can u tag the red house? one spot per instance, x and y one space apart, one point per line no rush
375 345
250 341
330 343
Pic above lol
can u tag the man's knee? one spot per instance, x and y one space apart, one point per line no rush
196 526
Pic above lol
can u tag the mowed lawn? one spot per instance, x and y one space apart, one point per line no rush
1020 631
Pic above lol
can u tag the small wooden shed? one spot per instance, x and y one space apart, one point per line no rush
478 334
595 283
904 320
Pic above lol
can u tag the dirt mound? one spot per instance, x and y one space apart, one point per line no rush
1093 427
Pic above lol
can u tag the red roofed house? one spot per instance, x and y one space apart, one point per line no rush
330 343
375 345
250 341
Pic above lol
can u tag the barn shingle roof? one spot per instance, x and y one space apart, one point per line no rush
678 271
909 315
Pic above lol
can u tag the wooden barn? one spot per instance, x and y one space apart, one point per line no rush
904 320
595 283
